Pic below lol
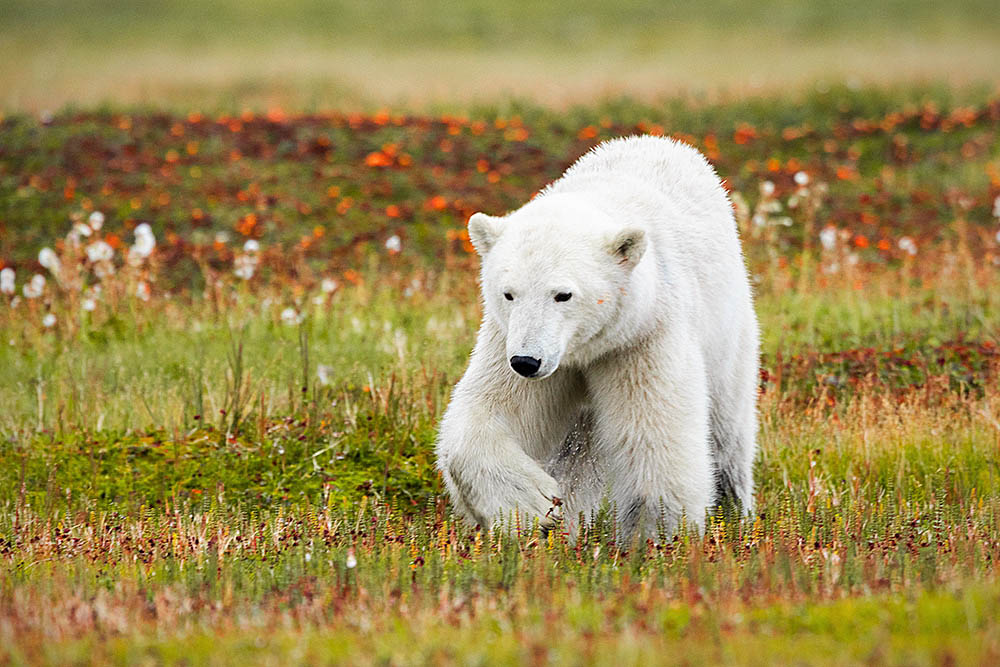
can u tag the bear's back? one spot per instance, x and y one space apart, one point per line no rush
675 169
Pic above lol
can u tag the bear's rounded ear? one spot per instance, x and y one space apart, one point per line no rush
484 230
628 246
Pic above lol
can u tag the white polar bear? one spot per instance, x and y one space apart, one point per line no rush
618 352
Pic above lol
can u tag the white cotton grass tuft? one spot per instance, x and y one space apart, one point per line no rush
290 316
49 320
393 244
767 188
828 237
328 285
47 257
801 178
907 245
352 561
145 242
7 278
34 287
244 266
252 245
96 220
143 291
99 251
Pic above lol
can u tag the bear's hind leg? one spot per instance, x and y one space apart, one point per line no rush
733 424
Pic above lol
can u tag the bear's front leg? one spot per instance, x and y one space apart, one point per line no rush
490 478
651 434
496 430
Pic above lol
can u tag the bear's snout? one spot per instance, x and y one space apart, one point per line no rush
526 366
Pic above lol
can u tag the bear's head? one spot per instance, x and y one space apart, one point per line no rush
554 274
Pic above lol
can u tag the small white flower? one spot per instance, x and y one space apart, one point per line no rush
907 244
767 188
82 229
328 285
34 288
801 178
49 320
352 561
88 304
142 290
96 220
393 244
323 374
309 556
7 281
100 251
290 316
828 237
759 219
252 245
222 237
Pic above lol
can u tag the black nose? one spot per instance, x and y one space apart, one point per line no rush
526 366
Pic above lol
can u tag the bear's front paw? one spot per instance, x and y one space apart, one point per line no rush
545 503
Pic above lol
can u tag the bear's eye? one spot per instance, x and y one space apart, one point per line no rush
563 296
508 296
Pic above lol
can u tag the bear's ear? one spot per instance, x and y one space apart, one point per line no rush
628 246
484 230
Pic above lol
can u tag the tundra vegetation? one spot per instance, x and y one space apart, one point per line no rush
226 339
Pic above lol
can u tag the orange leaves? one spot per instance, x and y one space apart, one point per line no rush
744 134
587 133
846 173
378 159
436 203
516 134
246 224
388 156
345 205
461 236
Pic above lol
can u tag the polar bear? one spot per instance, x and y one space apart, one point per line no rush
617 359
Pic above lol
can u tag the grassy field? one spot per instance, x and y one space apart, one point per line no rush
216 435
432 54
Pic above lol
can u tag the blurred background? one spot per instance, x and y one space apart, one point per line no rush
443 53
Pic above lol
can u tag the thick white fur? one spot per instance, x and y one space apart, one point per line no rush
647 391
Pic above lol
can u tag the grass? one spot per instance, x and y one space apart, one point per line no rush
302 54
201 467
